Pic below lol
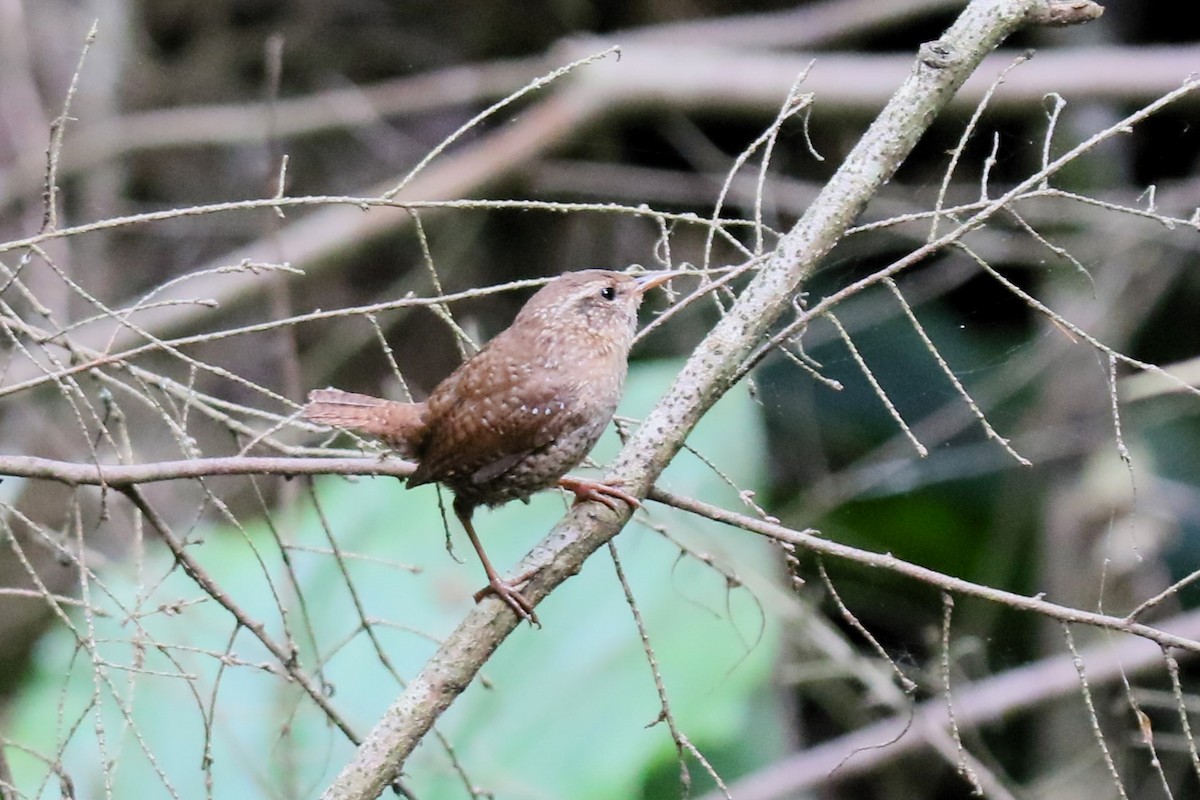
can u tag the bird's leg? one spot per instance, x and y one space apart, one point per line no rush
505 590
605 493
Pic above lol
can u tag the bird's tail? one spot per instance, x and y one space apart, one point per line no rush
401 425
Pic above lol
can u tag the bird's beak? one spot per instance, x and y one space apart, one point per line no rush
647 282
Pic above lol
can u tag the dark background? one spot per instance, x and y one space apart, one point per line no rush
836 460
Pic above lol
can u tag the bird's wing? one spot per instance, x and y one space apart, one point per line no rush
490 415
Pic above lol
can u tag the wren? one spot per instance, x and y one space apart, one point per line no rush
520 413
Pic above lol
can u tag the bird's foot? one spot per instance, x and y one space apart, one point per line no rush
607 493
511 595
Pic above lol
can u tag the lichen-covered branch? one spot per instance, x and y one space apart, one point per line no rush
940 68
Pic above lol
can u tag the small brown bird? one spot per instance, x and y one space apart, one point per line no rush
520 413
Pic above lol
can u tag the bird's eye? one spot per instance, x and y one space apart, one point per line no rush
608 293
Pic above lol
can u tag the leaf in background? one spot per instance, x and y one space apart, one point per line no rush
565 709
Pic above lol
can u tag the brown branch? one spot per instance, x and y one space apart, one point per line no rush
817 23
231 124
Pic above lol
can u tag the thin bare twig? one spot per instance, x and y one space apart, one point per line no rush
125 475
287 660
809 540
1086 692
683 745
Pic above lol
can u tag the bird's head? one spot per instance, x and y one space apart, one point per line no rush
596 308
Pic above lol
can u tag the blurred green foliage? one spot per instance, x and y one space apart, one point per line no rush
566 711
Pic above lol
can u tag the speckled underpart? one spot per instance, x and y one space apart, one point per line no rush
520 413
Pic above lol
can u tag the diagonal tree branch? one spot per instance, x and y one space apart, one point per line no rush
940 68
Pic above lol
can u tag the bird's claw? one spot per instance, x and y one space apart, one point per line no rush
512 597
609 494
